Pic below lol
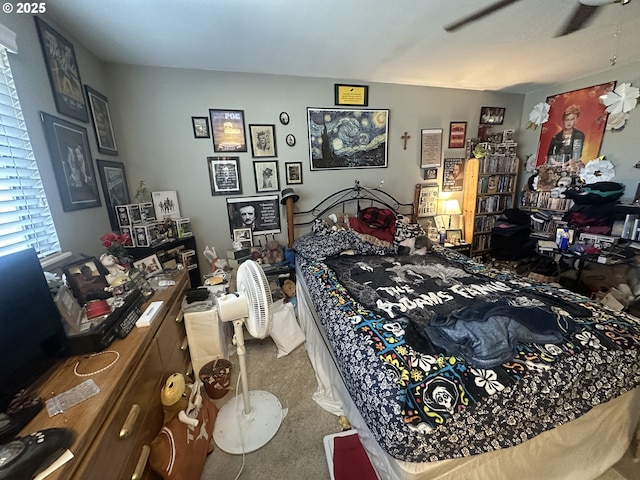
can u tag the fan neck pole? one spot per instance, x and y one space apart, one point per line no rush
239 337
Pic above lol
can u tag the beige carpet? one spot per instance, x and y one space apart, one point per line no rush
297 451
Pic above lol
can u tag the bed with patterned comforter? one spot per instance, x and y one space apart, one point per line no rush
448 358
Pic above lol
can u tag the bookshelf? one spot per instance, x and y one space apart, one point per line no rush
489 189
551 210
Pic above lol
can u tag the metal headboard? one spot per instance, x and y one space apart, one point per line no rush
351 201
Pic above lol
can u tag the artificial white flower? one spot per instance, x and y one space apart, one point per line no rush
616 121
597 170
623 99
538 115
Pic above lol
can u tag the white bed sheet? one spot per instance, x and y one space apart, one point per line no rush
580 450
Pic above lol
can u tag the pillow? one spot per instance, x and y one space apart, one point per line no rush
285 331
405 230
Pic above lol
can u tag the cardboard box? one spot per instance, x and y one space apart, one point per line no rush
236 254
183 227
188 259
147 213
128 214
146 235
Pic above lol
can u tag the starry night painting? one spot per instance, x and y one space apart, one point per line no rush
342 138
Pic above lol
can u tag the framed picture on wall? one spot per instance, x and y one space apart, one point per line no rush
584 118
260 214
227 129
330 149
263 140
200 127
224 175
492 115
430 148
114 188
294 172
101 121
63 71
266 176
457 134
72 164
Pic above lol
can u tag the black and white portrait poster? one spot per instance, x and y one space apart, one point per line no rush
260 214
453 174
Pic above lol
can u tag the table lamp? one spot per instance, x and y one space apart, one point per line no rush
451 207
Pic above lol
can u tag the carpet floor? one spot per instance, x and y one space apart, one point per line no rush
297 451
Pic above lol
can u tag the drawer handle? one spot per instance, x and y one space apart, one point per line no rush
142 462
180 317
129 423
185 344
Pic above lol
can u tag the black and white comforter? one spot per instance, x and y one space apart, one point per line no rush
425 402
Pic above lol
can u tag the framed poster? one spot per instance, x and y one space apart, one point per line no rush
224 175
72 164
166 204
431 148
573 134
261 214
200 127
114 188
101 121
492 115
457 134
227 128
263 140
63 71
453 174
294 172
345 139
427 200
354 95
266 176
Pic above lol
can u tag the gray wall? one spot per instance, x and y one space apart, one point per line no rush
155 105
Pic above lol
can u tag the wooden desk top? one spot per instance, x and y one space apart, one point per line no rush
86 418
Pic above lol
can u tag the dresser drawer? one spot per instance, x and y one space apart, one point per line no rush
115 453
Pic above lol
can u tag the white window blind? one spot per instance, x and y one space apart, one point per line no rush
25 218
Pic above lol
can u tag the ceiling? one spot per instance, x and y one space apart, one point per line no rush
512 50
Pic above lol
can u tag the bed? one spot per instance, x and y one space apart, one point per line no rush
450 369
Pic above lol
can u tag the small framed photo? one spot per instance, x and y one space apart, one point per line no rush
457 134
294 172
200 127
227 129
492 115
430 173
87 280
266 176
149 265
453 235
439 220
224 175
243 236
263 140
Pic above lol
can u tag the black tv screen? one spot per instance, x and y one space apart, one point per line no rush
32 337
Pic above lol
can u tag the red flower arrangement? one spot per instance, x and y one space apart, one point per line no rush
115 244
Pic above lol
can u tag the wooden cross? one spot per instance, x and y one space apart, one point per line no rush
405 137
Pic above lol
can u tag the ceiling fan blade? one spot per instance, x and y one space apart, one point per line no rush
479 14
581 16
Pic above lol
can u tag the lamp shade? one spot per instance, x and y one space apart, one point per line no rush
451 207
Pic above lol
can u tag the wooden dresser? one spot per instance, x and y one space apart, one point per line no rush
113 428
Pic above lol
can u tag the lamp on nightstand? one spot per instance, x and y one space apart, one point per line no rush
451 207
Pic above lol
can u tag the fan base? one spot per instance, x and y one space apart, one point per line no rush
237 433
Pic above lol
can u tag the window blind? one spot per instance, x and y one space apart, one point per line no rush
25 218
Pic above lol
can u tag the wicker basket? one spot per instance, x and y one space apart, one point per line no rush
216 377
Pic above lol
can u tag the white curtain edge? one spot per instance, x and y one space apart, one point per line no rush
8 39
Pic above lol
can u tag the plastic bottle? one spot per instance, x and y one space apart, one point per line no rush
443 236
564 239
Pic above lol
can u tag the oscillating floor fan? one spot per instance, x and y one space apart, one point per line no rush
245 424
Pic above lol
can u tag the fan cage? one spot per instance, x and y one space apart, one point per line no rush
253 284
